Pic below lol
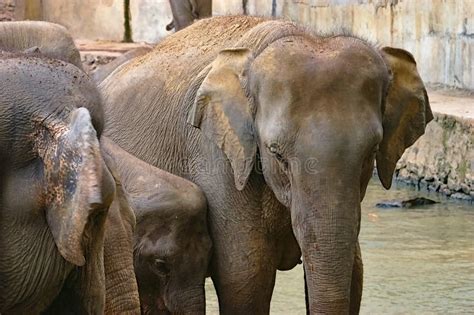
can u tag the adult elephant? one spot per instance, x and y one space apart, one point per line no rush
53 40
186 11
289 124
55 192
103 71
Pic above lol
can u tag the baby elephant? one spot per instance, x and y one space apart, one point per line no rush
172 246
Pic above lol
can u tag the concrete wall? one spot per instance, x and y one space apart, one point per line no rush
149 19
7 10
94 19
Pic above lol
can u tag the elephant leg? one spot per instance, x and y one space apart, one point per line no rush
357 281
243 272
182 14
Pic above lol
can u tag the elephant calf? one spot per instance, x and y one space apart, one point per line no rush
171 245
65 228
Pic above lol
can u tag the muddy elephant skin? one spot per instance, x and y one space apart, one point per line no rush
103 71
280 128
52 40
55 190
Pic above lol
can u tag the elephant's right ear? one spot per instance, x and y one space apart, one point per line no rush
77 186
223 112
407 111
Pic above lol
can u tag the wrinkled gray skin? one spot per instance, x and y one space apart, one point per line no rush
172 246
105 70
186 11
280 129
52 40
55 192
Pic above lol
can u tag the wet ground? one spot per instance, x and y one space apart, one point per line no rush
417 261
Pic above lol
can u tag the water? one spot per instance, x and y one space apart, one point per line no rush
416 261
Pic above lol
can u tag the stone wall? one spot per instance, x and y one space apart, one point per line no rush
443 159
7 10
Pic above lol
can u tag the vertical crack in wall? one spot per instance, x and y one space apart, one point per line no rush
127 35
274 8
244 6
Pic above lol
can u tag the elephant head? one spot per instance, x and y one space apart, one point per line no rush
314 112
55 188
171 242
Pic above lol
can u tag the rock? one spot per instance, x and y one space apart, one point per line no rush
420 201
443 159
462 196
465 189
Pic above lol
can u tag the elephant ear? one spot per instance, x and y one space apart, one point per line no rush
222 111
75 183
407 111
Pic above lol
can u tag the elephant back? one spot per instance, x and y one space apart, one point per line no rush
53 40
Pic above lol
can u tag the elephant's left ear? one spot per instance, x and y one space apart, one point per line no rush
222 111
407 111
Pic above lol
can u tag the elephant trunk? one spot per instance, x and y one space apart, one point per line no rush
121 285
190 301
325 220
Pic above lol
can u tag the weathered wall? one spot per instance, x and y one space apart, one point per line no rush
85 19
7 10
94 19
149 19
443 159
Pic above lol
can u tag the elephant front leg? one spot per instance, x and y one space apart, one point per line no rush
243 272
357 281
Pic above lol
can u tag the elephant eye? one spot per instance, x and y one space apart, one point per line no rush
275 151
160 267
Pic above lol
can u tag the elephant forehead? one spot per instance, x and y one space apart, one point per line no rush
304 74
301 61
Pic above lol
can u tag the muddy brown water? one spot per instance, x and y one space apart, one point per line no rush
416 261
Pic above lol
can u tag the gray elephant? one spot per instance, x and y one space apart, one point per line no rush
172 246
280 128
103 71
186 11
53 40
55 192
